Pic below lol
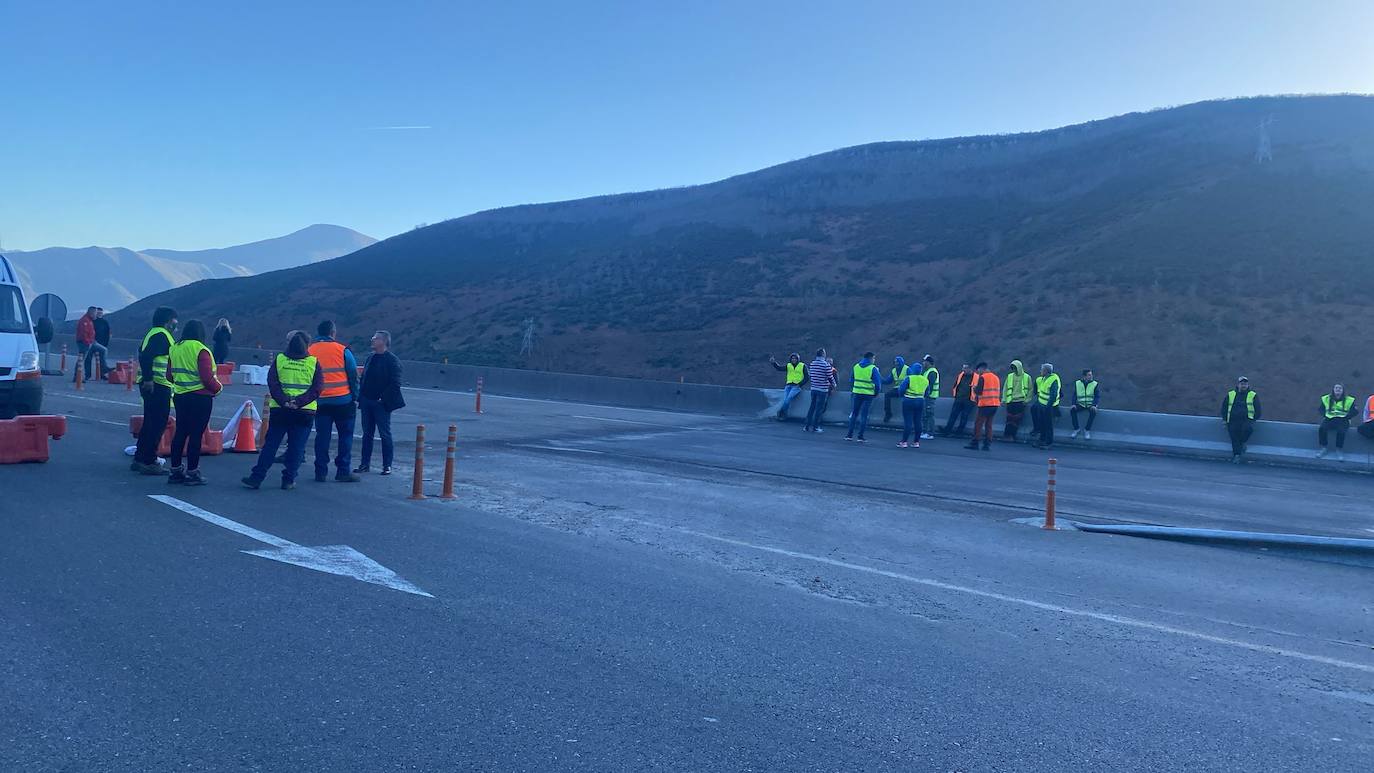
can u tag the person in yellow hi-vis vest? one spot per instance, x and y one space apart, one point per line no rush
155 389
191 368
294 383
1336 407
796 379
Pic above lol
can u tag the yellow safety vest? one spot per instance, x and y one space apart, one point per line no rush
185 358
916 384
295 377
1042 389
898 376
795 373
1249 403
933 376
1339 409
863 380
1016 389
159 374
1085 392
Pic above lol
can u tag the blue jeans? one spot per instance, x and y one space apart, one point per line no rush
913 411
327 418
858 414
814 412
295 427
376 417
789 393
93 351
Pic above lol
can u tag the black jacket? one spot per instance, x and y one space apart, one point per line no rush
102 332
382 380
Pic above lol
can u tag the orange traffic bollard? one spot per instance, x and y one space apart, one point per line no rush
266 416
1049 497
448 462
478 408
130 376
80 383
62 364
417 485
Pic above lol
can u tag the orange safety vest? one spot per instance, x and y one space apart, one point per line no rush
992 391
330 355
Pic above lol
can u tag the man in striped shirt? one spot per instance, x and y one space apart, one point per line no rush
822 379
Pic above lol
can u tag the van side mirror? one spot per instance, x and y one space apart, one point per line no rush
43 330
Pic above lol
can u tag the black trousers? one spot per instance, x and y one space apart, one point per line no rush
1043 416
1092 414
193 416
888 397
157 406
959 412
1016 413
1339 426
1239 430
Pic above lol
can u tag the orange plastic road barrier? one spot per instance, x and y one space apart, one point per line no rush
244 442
25 439
212 442
417 484
164 445
478 408
266 417
448 462
1049 496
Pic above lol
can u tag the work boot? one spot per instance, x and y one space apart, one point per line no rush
135 466
345 477
178 475
194 478
151 469
251 482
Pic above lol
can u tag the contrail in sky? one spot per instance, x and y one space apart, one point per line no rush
393 128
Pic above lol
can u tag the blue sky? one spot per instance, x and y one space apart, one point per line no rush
191 125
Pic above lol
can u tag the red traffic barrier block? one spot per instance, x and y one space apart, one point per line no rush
122 374
212 442
25 439
225 373
164 446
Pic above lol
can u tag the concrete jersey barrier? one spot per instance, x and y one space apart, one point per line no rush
1196 436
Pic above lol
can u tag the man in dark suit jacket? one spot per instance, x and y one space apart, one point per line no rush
379 395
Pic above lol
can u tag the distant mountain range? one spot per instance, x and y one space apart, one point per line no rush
1171 250
113 277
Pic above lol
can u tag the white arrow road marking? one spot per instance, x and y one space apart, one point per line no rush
333 559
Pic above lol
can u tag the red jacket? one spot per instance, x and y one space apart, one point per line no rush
85 330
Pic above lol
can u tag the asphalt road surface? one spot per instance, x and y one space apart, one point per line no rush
637 590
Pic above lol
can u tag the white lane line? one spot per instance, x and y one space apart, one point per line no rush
331 559
622 421
1040 605
557 448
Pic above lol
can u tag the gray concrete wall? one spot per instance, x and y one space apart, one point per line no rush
1199 436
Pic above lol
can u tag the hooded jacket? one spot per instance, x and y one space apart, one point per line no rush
1017 386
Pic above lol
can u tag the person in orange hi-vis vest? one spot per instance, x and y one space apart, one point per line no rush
987 395
337 406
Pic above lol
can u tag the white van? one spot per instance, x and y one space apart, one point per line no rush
21 378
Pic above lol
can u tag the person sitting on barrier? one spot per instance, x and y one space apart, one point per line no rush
894 377
1085 398
796 376
987 394
1240 409
1016 395
915 389
933 376
1046 407
191 369
1336 406
1366 428
867 381
294 383
820 378
963 405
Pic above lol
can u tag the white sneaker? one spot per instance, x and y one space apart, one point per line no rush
1340 456
927 436
1321 454
1087 435
1076 433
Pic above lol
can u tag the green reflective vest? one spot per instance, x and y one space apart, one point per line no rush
1249 403
933 376
1085 393
916 384
295 376
1016 388
1043 386
795 373
185 370
897 375
159 374
863 380
1337 409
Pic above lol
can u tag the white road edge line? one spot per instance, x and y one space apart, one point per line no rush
1040 605
331 559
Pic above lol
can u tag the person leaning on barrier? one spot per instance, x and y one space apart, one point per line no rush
963 405
821 379
1336 407
1046 407
894 377
1240 409
987 395
294 383
868 379
1085 398
1016 394
155 389
796 377
932 375
379 393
